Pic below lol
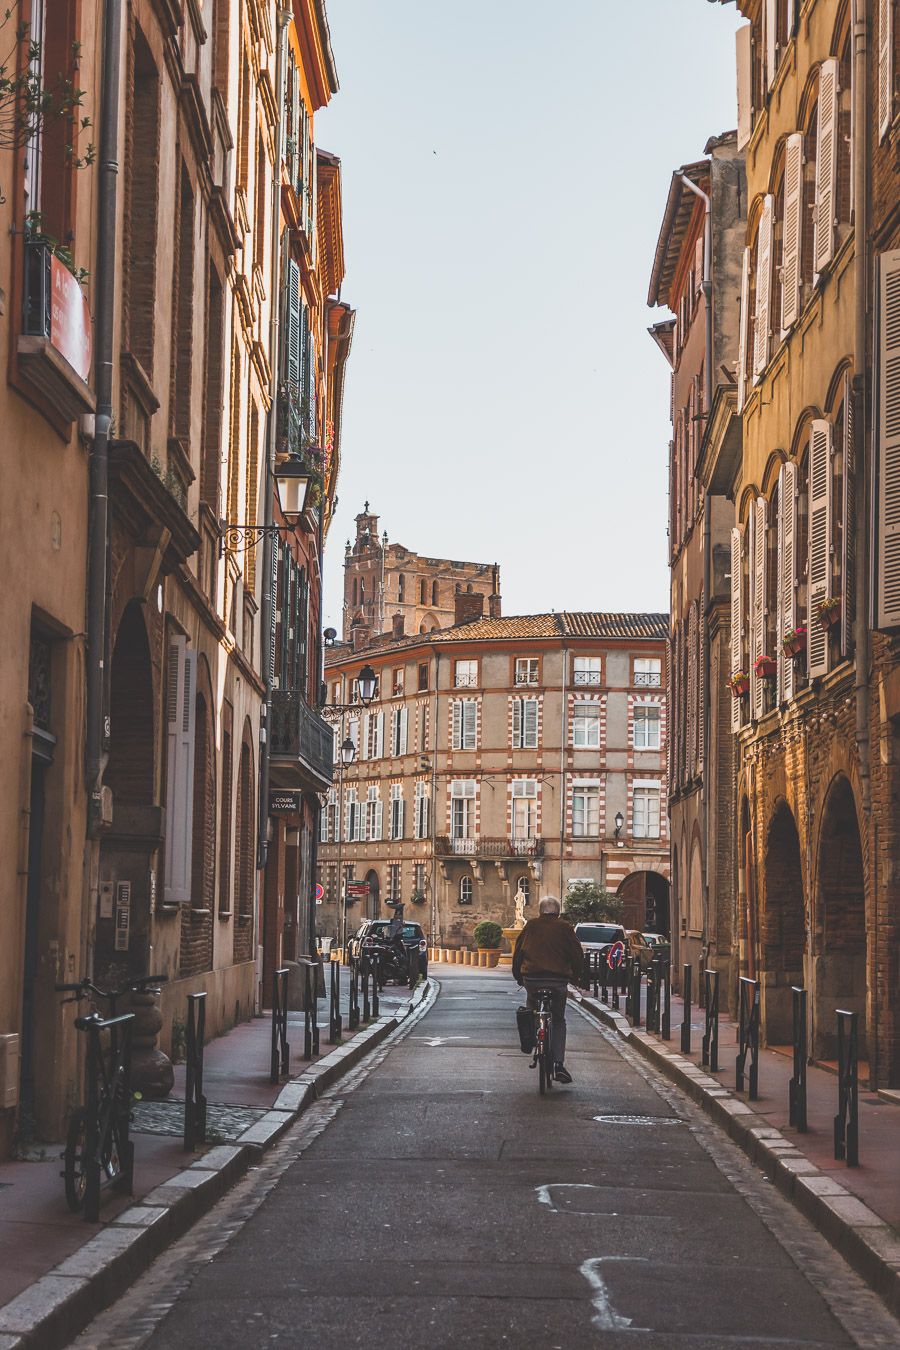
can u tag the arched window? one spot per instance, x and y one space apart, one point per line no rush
523 884
434 593
401 587
469 588
466 890
355 592
458 588
423 592
362 590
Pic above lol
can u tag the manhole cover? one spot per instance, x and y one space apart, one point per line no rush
639 1120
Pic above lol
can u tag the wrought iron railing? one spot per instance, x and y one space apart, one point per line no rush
299 733
647 679
296 427
586 677
480 846
37 291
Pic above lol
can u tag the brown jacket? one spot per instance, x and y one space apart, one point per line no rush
547 945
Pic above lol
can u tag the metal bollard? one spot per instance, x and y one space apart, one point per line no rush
710 1051
846 1122
280 1059
616 981
604 977
335 1020
797 1085
364 968
666 971
636 992
194 1099
686 973
353 1012
748 1038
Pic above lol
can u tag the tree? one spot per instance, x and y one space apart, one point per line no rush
586 902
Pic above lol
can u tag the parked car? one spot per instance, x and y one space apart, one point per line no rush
657 939
639 946
599 937
375 930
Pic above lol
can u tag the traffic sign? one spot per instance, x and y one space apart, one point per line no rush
320 894
616 955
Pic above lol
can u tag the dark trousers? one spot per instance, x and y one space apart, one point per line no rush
559 992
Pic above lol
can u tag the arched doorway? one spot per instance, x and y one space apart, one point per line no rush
782 927
840 922
646 896
374 894
128 851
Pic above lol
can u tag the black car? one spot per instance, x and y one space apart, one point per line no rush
376 929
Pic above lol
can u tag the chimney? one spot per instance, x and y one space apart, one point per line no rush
494 606
359 635
468 606
398 625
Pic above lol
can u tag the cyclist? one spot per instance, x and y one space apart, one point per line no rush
548 955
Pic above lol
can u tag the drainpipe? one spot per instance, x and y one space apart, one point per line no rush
706 287
104 319
268 594
564 723
860 242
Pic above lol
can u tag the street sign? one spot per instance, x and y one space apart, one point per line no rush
320 894
616 955
285 803
357 890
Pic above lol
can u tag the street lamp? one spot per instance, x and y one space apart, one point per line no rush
620 821
293 479
367 682
348 753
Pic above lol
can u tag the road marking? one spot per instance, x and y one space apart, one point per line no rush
435 1041
605 1316
545 1196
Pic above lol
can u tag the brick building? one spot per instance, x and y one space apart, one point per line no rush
813 598
696 273
498 753
384 580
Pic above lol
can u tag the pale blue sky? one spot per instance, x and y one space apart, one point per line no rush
505 168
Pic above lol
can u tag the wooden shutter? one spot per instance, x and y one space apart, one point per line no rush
292 371
826 165
670 703
401 817
887 515
517 723
366 735
793 204
273 608
701 684
743 331
885 66
180 711
404 729
457 725
819 542
787 574
771 22
848 542
758 604
379 735
379 818
737 615
529 723
691 711
763 287
294 160
470 724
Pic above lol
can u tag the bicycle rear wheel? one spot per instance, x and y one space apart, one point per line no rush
547 1056
75 1161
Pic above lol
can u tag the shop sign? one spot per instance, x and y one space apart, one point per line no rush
285 803
70 319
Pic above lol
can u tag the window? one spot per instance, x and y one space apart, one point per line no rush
422 811
401 588
647 727
524 809
647 672
434 593
586 670
373 724
423 593
398 682
423 676
462 809
523 884
419 883
399 723
398 812
336 691
423 727
393 881
524 723
374 814
329 820
527 670
586 810
645 811
465 723
465 674
466 890
586 726
353 818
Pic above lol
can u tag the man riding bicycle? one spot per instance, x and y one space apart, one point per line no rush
548 955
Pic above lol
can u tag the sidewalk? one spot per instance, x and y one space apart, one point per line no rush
38 1231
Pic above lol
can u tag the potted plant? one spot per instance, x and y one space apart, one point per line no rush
739 684
488 936
418 897
830 611
766 667
793 644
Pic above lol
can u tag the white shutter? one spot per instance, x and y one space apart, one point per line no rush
180 710
887 599
470 724
793 202
404 729
848 542
826 165
401 817
457 725
771 41
819 542
701 685
366 724
885 66
787 574
691 718
758 604
763 287
530 724
379 819
791 17
426 807
517 723
379 735
744 65
292 347
743 332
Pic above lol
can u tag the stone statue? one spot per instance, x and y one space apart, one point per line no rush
520 902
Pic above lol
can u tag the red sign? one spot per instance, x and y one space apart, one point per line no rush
70 319
320 893
616 955
358 889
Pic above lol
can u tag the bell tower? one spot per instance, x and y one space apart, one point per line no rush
364 578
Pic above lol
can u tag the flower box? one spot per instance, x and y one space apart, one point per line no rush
739 684
766 667
793 644
830 612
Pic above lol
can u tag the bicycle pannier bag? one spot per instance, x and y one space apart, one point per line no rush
525 1020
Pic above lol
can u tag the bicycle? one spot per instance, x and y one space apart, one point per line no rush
97 1139
543 1040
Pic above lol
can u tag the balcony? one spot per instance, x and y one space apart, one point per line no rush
296 427
302 743
480 846
54 348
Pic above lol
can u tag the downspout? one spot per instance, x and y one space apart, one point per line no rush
269 598
99 471
563 727
706 287
860 244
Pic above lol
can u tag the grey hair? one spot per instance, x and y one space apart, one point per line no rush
548 904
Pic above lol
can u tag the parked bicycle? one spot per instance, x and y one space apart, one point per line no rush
97 1140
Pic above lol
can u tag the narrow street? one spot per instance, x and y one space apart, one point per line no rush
435 1200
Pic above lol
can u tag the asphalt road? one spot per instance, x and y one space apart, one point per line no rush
437 1200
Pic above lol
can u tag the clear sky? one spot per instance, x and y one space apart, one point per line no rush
505 168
